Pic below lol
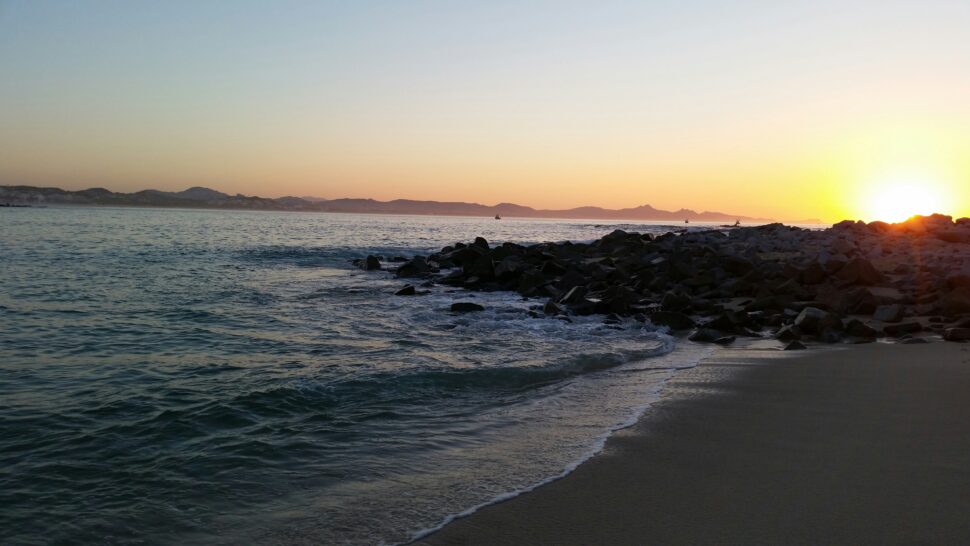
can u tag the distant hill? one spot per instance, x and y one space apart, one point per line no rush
199 197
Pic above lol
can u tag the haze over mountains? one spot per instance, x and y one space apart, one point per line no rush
199 197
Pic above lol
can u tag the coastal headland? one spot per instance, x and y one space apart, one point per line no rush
853 283
859 440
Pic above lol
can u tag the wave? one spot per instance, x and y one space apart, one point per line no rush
595 448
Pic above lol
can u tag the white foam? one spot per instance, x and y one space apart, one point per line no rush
697 353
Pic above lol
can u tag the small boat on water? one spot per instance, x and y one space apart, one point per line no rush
497 217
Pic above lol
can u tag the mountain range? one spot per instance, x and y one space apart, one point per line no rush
199 197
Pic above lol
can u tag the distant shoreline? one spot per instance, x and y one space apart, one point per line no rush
205 198
664 222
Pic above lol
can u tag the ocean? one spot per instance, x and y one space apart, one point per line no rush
224 377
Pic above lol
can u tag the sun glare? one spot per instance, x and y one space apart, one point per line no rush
895 201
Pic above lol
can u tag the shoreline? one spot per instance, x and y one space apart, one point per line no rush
860 444
598 444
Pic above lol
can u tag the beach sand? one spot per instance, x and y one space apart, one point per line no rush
851 445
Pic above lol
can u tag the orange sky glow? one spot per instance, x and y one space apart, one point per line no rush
788 112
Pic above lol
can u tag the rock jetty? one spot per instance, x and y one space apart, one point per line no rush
854 282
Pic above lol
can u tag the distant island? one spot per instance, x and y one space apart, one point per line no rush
205 198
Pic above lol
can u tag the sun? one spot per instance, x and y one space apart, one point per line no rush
898 200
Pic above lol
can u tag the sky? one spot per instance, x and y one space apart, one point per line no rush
788 110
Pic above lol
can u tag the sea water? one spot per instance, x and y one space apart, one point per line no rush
223 377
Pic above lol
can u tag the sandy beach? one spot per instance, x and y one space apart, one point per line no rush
851 445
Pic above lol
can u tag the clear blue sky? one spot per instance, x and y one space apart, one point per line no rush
547 103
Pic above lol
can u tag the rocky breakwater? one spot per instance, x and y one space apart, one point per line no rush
854 282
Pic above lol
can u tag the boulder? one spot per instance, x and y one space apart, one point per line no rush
675 301
898 330
889 313
480 242
736 265
416 267
466 307
672 319
813 320
508 268
956 334
372 263
956 301
482 267
795 346
570 279
842 246
408 290
573 295
585 307
953 236
788 333
857 328
531 282
705 335
550 308
814 273
958 279
861 272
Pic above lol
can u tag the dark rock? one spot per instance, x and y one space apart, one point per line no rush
416 267
897 330
466 307
958 279
860 271
550 308
570 279
531 282
812 320
953 236
574 295
672 319
482 267
408 290
788 333
830 335
728 321
372 263
736 265
705 335
508 268
617 299
795 346
584 307
814 273
956 301
675 301
859 301
956 334
857 328
480 242
889 313
552 269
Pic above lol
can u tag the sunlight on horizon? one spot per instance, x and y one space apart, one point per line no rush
706 106
902 195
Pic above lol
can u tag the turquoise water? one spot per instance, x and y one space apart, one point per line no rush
182 377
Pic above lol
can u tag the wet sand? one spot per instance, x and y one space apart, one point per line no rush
853 445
